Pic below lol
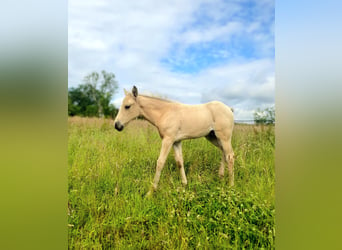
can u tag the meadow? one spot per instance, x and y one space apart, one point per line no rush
110 172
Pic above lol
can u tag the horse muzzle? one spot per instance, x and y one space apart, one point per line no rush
119 126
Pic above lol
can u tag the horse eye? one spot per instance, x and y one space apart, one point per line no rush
127 106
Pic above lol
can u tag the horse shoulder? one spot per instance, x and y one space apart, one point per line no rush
169 122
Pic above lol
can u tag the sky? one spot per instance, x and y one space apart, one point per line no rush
192 51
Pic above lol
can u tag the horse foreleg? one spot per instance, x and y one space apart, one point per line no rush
165 149
179 160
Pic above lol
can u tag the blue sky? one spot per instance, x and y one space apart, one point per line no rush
190 51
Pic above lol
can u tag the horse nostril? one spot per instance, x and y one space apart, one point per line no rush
119 126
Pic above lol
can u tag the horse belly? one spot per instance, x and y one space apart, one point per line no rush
195 124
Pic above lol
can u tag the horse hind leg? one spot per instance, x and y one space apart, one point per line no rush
227 157
222 166
229 153
214 140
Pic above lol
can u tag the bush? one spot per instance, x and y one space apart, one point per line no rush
266 116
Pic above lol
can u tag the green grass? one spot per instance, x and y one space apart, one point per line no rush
110 173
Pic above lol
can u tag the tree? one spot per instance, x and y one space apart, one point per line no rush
92 98
266 116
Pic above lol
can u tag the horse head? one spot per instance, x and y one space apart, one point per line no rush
129 109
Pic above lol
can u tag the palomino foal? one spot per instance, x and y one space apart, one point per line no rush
176 122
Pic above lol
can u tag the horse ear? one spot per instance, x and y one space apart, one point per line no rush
126 92
135 91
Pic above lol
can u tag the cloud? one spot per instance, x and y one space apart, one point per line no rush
244 86
207 34
191 51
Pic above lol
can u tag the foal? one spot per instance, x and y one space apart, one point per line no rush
176 122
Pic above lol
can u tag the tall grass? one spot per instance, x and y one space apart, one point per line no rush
110 173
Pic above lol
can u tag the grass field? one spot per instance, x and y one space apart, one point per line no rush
110 173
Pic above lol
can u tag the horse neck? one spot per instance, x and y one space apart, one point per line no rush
152 108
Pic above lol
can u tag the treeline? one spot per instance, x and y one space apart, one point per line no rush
92 98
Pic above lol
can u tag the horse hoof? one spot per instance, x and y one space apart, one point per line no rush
149 194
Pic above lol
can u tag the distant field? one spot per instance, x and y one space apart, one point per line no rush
110 172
